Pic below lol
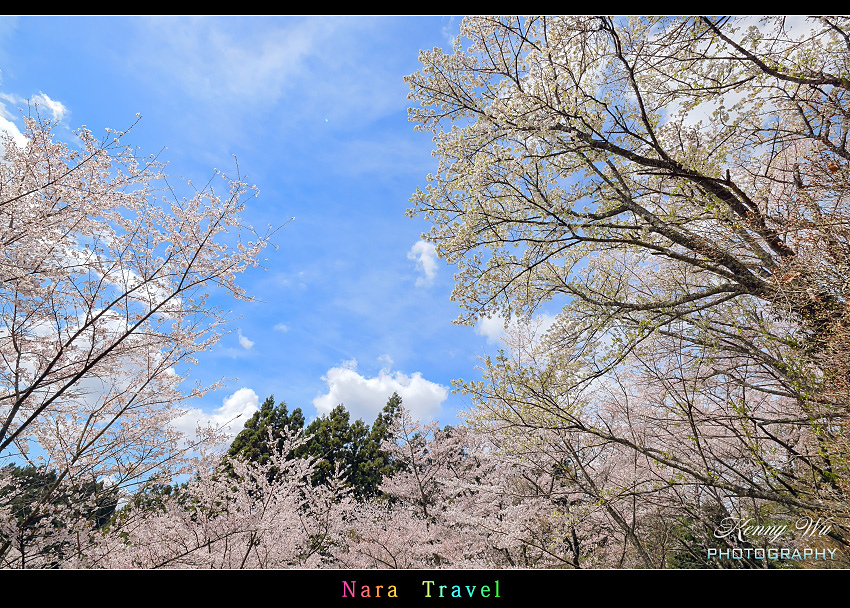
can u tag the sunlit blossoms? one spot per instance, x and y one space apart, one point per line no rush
679 187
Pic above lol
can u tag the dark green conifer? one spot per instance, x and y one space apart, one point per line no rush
333 440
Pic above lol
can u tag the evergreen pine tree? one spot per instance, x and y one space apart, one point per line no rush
336 442
255 442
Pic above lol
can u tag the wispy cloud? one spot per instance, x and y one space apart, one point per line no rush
313 64
57 109
244 342
425 256
449 31
228 60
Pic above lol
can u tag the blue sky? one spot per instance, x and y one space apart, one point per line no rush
351 305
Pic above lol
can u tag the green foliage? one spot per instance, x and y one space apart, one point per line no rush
337 443
34 494
154 496
377 462
253 442
264 433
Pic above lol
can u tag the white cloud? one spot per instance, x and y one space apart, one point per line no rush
230 417
387 361
245 342
426 260
493 328
57 109
281 327
12 129
365 397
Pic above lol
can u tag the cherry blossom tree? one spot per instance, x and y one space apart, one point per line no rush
234 513
459 500
679 187
105 286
